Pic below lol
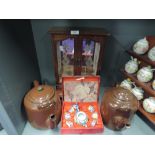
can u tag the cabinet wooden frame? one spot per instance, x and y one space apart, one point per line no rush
59 34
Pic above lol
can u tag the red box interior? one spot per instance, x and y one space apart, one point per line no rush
83 106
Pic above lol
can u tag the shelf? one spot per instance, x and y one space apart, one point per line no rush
148 89
143 58
145 86
150 117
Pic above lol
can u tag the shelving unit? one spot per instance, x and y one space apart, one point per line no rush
145 86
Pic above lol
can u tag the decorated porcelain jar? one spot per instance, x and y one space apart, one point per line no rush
81 118
131 66
138 92
151 54
153 84
127 84
149 104
141 46
118 107
145 74
43 106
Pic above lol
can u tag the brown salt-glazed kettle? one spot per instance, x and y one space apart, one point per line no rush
118 108
43 106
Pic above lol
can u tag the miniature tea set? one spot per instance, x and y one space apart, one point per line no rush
80 117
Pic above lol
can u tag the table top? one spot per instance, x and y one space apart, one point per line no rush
139 126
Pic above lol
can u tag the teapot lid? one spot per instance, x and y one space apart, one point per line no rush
40 95
122 94
125 99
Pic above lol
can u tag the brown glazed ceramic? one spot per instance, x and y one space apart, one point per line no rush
43 106
118 107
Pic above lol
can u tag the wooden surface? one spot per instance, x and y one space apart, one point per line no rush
143 58
59 34
82 31
145 86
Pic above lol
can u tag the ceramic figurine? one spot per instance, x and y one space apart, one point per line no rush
95 116
81 118
151 54
131 66
145 74
153 84
93 123
91 108
138 92
149 104
127 84
69 124
67 116
141 46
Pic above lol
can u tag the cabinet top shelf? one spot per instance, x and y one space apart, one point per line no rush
143 58
82 31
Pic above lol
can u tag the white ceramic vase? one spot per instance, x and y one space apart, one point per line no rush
141 46
131 66
151 54
149 104
145 74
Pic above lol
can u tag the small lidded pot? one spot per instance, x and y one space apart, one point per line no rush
127 84
151 54
43 106
138 92
149 104
145 74
131 66
141 46
118 108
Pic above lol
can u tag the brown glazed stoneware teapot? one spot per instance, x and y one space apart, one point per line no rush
43 106
118 108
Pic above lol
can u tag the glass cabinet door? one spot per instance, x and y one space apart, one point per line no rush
65 57
90 56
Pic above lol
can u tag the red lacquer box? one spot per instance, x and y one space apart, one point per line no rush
80 110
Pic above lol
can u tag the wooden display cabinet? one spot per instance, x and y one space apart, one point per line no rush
77 51
145 61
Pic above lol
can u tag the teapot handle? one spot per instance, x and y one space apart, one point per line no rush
35 83
53 121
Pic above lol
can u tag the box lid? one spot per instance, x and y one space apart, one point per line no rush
81 88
